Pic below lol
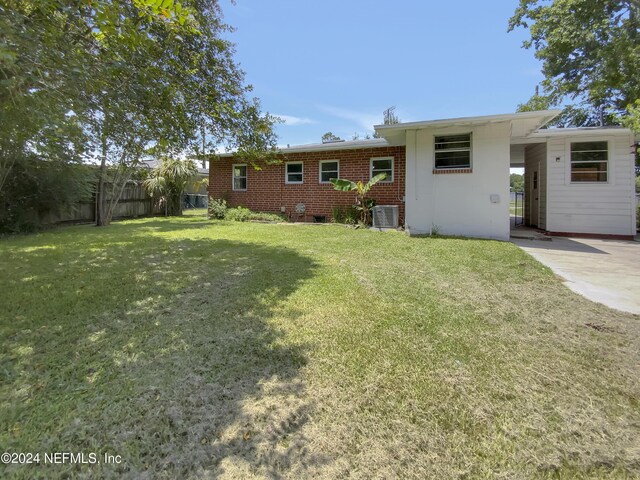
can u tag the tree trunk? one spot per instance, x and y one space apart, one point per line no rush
174 204
101 220
118 184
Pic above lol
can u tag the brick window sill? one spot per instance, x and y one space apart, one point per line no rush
444 171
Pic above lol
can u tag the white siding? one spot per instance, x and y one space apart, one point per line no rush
600 208
460 203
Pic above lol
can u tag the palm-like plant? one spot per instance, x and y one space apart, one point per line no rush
362 190
169 180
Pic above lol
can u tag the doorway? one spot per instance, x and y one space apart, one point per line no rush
534 196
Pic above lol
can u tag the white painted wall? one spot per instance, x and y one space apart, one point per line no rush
601 208
460 203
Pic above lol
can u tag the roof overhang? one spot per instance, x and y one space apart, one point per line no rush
522 123
579 131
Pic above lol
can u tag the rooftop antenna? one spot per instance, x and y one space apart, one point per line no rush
390 116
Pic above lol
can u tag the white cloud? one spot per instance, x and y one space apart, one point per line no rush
292 121
362 119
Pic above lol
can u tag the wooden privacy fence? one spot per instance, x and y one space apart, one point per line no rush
134 202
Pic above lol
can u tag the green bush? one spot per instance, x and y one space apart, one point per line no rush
238 214
243 214
348 215
217 208
337 215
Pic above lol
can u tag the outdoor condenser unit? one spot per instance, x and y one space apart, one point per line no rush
385 216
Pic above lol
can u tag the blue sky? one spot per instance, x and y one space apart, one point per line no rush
336 65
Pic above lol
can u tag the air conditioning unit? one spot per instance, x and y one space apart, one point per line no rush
385 216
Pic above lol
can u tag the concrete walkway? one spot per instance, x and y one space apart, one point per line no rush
605 271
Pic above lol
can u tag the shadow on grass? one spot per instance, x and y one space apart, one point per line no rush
561 244
169 353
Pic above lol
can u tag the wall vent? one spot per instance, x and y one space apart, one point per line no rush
385 216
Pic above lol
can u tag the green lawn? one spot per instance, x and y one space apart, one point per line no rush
226 350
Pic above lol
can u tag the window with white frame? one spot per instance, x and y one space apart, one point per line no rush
329 170
452 151
382 165
293 172
240 177
589 161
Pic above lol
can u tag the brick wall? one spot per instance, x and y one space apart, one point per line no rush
268 192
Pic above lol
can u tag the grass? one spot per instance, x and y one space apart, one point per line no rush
206 349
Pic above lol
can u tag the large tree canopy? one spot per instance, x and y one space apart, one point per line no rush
118 79
590 53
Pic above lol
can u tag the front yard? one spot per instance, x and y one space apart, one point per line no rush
206 349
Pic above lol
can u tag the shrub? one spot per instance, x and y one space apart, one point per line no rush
337 215
363 202
238 214
348 215
217 208
352 215
243 214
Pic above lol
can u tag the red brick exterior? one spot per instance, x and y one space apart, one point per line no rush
268 192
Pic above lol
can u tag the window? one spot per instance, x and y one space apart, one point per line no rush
293 172
589 161
239 177
453 151
329 169
382 165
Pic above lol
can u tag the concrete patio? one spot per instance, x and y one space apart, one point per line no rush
604 271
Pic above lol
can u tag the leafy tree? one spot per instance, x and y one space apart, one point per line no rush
517 182
363 203
183 90
39 67
115 80
330 137
571 115
589 50
632 119
168 181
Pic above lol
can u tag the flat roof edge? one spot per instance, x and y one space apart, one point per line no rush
544 115
556 132
325 147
